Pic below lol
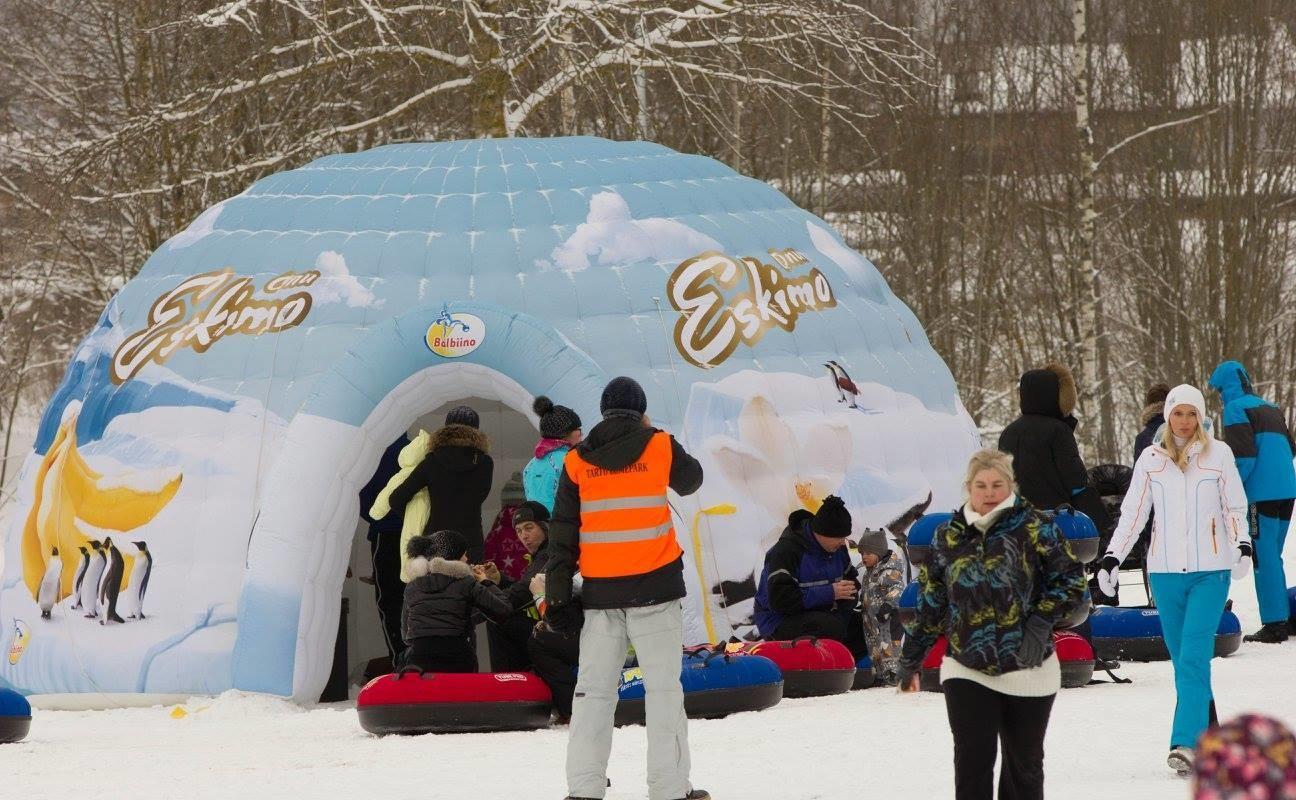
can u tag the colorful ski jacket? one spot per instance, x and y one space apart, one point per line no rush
978 589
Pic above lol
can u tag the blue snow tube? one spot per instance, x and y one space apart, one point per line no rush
15 716
1080 532
908 603
863 674
1134 634
716 684
921 534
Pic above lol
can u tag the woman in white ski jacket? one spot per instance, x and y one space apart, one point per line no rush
1199 536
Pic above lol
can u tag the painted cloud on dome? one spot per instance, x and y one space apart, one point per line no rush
611 235
338 285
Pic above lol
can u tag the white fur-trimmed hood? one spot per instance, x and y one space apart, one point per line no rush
419 567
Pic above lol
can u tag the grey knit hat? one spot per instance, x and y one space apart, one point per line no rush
513 493
463 415
556 422
875 542
446 544
623 394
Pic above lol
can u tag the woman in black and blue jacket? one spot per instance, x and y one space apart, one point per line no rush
1000 578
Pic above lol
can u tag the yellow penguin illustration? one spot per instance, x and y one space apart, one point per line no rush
67 490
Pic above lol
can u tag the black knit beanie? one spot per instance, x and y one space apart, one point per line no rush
832 519
446 544
463 415
624 394
531 511
555 421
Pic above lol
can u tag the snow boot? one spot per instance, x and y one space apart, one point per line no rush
697 794
1181 761
1269 633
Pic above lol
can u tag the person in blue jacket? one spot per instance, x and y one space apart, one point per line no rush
809 587
560 431
1257 432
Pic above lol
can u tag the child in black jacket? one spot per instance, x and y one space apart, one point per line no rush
443 601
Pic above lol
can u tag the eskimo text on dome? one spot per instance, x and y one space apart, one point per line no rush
711 327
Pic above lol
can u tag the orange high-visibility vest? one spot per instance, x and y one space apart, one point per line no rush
625 523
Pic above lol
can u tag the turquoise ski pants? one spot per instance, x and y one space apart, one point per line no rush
1190 606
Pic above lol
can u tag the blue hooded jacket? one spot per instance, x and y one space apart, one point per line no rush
1257 433
798 575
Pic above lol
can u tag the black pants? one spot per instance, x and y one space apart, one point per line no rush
555 656
508 643
844 625
389 591
442 654
980 720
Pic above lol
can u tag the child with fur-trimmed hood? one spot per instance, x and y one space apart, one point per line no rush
442 603
1045 457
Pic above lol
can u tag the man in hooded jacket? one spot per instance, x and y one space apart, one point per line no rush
611 514
1257 433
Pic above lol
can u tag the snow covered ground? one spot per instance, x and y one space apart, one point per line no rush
867 744
1103 740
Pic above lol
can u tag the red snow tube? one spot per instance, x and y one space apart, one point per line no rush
414 702
811 667
1074 654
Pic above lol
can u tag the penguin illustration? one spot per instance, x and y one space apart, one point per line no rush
80 576
90 580
847 391
110 584
49 587
140 578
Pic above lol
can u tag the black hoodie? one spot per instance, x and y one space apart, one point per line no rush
614 444
457 474
1046 459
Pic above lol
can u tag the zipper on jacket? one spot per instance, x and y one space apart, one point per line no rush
1214 544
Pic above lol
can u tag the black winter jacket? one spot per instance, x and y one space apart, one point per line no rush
614 444
457 473
1046 459
519 592
1153 419
443 600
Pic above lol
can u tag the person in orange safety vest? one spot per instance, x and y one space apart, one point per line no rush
612 521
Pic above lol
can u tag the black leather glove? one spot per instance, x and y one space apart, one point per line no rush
1037 634
564 618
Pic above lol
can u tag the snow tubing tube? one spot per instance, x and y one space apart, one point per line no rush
929 676
863 674
15 716
908 603
811 666
1134 634
921 534
1078 529
716 684
1291 604
1075 657
414 702
1080 532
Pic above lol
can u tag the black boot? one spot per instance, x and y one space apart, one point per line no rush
697 794
1269 633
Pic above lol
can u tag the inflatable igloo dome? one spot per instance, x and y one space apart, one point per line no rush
220 419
